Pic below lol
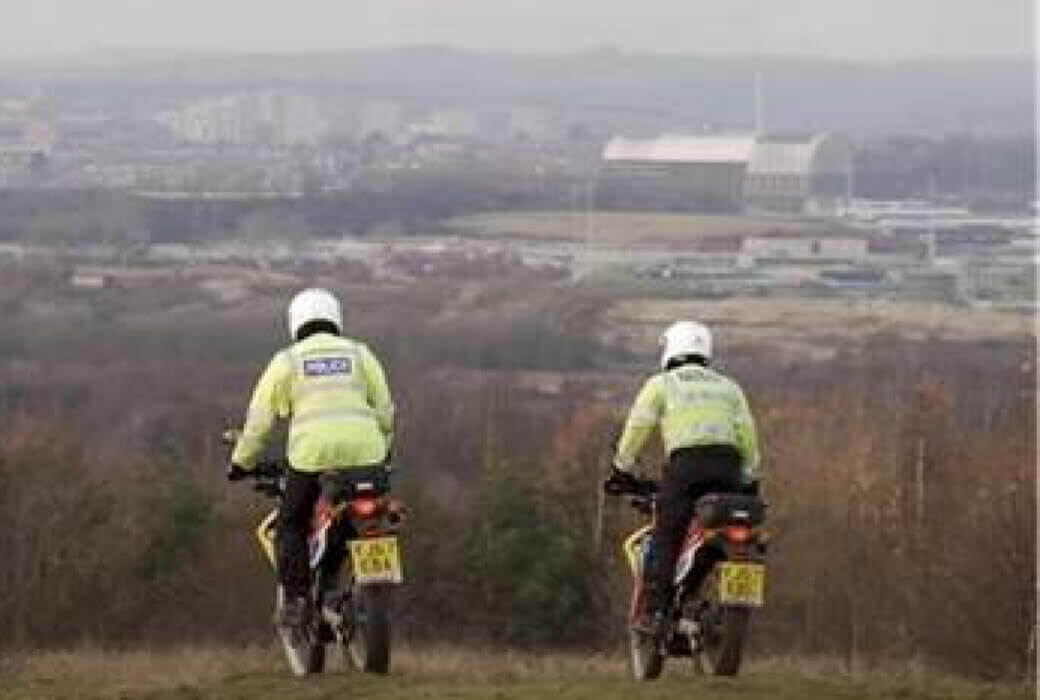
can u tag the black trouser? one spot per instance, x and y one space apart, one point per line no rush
302 490
690 473
294 524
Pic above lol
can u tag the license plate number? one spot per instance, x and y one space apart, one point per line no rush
376 560
742 584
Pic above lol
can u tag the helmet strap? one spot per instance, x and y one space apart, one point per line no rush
318 326
681 360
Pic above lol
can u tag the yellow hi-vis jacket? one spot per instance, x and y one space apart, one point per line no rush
334 393
693 406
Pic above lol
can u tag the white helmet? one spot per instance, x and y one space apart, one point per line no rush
313 305
685 338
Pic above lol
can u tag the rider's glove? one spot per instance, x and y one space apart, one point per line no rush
750 487
619 482
235 472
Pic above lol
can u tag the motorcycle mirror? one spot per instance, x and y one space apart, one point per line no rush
230 436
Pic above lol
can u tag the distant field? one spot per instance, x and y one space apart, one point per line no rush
619 228
259 673
809 327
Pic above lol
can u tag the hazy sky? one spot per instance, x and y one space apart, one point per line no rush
871 29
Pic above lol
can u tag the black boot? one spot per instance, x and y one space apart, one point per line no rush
293 616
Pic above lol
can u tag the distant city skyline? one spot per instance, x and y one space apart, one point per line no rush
872 30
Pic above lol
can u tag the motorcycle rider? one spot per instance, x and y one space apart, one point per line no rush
334 393
709 436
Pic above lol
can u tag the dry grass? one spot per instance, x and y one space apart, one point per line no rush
452 672
150 670
126 673
809 326
482 666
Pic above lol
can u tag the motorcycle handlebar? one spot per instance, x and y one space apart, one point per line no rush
645 489
268 478
642 493
270 469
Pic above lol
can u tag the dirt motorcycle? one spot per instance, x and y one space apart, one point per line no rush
720 577
355 561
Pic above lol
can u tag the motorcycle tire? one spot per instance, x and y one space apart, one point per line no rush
724 655
368 648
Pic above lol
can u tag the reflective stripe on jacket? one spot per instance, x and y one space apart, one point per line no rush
334 393
692 406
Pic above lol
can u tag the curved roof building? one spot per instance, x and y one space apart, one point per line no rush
796 173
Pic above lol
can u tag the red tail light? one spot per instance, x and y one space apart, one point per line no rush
738 533
365 507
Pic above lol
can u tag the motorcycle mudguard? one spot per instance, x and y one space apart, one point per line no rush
265 534
316 542
634 547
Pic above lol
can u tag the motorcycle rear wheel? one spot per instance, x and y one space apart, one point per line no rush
368 647
723 646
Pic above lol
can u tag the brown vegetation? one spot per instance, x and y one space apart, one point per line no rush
902 479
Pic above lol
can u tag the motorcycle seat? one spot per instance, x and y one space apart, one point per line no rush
717 509
344 484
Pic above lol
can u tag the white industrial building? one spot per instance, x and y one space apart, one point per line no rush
791 173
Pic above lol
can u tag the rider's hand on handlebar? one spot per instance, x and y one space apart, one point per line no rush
235 472
751 487
620 482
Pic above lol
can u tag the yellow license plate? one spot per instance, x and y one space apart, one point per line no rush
376 560
742 583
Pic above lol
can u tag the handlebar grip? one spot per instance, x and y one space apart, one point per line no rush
268 470
648 488
230 436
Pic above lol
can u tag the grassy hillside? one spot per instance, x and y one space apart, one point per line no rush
259 673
